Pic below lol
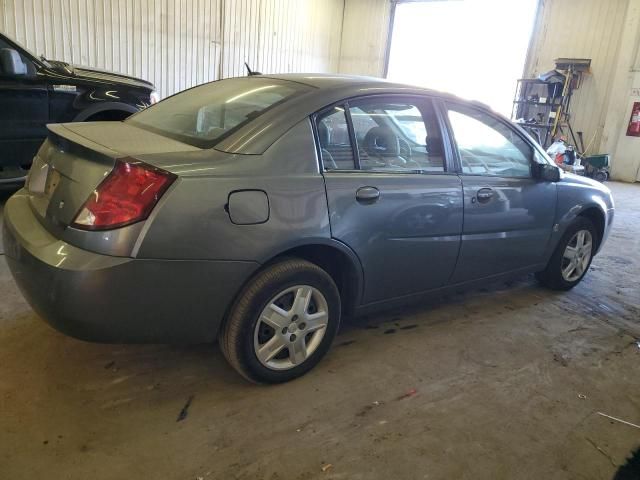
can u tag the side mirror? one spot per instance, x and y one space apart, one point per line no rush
547 172
11 63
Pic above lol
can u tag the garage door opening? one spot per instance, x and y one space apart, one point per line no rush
473 48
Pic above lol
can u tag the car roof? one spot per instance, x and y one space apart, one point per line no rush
326 90
335 81
327 80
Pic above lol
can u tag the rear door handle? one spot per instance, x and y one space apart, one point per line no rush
484 195
367 194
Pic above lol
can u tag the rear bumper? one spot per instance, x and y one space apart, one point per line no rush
116 299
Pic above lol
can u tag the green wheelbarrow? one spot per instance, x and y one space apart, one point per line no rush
597 167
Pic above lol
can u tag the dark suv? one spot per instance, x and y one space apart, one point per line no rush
35 91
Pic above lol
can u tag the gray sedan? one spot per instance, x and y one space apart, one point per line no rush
261 210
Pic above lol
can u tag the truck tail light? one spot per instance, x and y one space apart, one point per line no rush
127 195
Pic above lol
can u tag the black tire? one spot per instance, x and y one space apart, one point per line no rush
236 338
601 176
551 276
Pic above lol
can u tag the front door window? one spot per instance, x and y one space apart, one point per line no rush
487 146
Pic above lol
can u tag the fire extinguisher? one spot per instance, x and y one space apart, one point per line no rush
634 124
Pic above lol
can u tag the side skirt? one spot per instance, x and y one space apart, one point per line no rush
435 294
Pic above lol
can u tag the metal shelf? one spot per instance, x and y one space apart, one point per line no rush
530 102
534 125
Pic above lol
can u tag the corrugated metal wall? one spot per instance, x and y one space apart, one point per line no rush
180 43
582 29
364 37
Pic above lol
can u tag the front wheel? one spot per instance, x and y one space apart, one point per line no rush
572 257
282 323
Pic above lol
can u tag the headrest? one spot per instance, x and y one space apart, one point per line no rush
323 134
382 142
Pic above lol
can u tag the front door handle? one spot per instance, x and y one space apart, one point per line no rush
367 194
484 195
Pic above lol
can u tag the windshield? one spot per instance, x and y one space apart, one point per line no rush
204 115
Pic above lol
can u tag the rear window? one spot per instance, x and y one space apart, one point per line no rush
204 115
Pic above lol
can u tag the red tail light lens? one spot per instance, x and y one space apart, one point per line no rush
127 195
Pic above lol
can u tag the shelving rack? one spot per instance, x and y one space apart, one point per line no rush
536 105
542 106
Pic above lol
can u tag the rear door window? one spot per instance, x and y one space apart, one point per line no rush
333 137
394 134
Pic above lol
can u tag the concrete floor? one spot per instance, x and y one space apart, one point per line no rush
501 383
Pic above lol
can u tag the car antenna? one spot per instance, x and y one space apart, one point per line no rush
250 72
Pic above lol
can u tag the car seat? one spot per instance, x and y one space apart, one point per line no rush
383 144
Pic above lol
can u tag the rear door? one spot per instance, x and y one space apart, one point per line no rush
508 214
392 196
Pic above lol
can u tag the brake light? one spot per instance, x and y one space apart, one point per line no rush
127 195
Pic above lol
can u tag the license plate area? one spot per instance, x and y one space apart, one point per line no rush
37 179
43 179
53 180
42 183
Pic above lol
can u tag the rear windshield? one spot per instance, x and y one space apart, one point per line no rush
204 115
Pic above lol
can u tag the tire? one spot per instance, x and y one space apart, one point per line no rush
269 319
552 276
600 176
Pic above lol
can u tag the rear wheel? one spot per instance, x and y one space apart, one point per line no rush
283 322
572 257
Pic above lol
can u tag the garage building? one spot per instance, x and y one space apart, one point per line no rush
506 380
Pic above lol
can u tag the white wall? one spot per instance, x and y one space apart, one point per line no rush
626 90
608 32
180 43
364 37
581 29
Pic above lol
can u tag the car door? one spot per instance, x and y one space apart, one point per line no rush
392 196
24 110
508 214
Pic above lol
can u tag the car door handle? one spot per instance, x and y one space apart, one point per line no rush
484 195
367 194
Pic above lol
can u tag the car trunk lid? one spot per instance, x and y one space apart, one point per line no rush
75 158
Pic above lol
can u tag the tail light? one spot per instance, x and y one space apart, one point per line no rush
127 195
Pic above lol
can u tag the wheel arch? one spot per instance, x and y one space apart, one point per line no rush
597 217
102 108
338 260
595 210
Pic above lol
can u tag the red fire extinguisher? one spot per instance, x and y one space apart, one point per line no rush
633 130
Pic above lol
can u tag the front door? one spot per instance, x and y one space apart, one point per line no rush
508 214
24 112
392 197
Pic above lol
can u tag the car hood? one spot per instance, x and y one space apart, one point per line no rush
584 181
599 190
97 75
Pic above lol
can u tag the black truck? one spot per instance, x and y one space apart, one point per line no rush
35 91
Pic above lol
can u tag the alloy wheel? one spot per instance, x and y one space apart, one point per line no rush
577 255
291 327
